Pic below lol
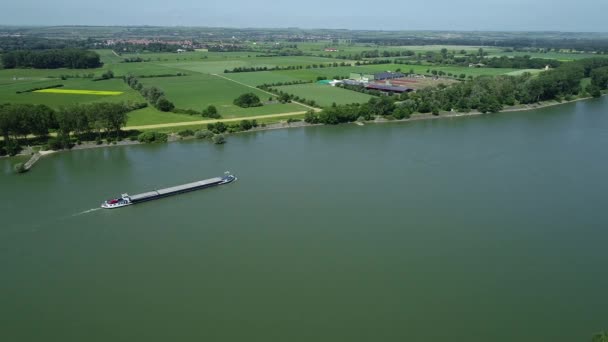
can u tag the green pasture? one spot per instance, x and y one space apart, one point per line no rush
260 77
8 92
218 66
199 91
325 95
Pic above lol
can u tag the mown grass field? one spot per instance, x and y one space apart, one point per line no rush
151 116
325 95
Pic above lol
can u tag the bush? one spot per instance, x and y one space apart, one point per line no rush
211 112
402 112
203 134
59 143
2 151
19 168
219 139
218 127
311 117
12 148
152 137
164 105
245 125
247 100
594 90
186 133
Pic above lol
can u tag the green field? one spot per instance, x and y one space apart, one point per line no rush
55 100
199 91
325 95
261 77
345 48
151 116
218 66
560 56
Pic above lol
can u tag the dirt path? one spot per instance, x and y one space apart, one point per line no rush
202 122
264 91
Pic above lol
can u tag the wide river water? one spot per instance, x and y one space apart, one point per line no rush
488 228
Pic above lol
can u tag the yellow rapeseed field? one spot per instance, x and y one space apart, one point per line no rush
79 92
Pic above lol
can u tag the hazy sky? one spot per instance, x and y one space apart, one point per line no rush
520 15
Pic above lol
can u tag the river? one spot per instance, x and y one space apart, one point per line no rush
487 228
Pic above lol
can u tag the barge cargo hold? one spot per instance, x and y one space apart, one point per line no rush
126 199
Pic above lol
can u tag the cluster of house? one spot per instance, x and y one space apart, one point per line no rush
378 81
182 43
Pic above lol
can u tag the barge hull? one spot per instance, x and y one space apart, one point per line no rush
180 189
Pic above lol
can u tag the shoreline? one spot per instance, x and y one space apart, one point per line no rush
299 124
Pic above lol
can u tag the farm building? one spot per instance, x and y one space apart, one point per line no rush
352 82
375 77
387 75
331 50
388 88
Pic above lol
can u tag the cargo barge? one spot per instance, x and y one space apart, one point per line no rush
126 199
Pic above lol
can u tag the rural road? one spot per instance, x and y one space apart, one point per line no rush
202 122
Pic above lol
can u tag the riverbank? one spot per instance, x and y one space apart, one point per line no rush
298 124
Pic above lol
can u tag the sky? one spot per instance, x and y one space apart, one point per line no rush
466 15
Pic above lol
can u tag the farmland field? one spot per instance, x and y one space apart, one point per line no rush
325 95
261 77
199 91
345 49
151 116
53 98
218 66
560 56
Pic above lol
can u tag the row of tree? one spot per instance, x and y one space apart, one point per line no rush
309 66
18 121
284 97
154 95
51 59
